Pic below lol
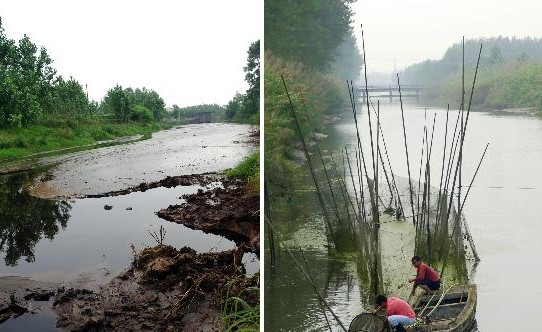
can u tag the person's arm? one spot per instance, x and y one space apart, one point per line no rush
378 308
413 292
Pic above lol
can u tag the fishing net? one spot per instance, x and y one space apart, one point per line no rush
367 322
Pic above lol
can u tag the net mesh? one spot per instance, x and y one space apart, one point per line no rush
367 322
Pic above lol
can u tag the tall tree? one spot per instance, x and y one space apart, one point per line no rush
307 31
252 76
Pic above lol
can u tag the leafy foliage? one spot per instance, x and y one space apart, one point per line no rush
307 31
348 62
29 87
245 108
311 44
313 95
187 112
510 73
128 104
248 170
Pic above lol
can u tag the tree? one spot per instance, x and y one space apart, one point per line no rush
176 111
307 31
29 87
141 113
151 100
234 106
348 62
116 102
495 56
252 69
252 76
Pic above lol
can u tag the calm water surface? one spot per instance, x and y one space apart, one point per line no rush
502 212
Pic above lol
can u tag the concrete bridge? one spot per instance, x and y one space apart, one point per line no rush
407 91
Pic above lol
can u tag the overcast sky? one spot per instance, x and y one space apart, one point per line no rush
399 32
190 52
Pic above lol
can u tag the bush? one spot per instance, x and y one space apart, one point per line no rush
247 168
141 113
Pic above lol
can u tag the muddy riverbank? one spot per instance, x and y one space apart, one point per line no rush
67 234
165 288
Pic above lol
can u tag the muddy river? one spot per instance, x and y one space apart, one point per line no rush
501 210
57 235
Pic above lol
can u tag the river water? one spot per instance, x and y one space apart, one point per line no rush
80 242
501 211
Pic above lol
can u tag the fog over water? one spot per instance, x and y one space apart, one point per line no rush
401 33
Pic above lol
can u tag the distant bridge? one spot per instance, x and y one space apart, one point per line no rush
407 91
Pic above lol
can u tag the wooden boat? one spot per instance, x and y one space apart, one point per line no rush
449 310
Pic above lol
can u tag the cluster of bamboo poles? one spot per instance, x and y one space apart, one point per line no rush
351 205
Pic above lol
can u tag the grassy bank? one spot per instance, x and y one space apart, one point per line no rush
50 135
502 86
314 95
249 170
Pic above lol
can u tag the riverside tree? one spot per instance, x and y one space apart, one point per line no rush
246 107
30 88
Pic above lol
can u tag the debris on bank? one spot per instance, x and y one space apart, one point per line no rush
230 211
165 289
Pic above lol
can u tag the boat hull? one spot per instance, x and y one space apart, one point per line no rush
452 312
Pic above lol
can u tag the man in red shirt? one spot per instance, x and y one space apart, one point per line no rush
398 311
427 278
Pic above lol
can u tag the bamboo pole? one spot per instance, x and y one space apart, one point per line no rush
374 201
461 147
406 150
305 150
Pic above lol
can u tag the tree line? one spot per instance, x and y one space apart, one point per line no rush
508 75
30 87
31 91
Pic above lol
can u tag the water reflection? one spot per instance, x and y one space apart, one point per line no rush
25 219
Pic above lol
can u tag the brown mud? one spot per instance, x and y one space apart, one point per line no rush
17 293
165 290
169 182
230 211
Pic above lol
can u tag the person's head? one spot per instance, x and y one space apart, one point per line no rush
416 261
381 300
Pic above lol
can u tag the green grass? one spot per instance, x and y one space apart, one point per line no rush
55 134
249 170
239 315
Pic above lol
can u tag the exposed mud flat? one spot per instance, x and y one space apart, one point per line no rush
229 211
17 294
184 150
168 182
165 290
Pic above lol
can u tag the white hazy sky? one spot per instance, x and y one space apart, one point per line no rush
399 32
190 52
